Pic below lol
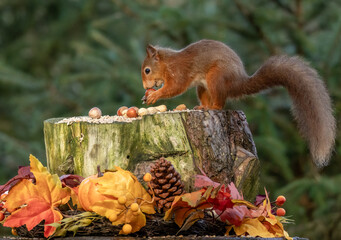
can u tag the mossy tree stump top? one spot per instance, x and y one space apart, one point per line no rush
217 142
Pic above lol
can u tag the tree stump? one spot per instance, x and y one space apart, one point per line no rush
219 143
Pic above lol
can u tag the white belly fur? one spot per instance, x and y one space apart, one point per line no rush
199 80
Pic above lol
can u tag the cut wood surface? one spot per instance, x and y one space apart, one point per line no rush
219 143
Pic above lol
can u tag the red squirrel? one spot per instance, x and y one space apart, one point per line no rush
218 73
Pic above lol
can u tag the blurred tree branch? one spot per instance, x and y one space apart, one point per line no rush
250 17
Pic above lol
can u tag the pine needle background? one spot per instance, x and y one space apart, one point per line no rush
60 58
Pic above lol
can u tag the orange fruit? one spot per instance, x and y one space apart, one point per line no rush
280 212
280 200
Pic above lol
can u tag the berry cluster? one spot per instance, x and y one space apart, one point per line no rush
279 202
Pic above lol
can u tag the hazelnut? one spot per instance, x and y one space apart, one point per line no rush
161 108
119 111
124 112
152 110
95 112
142 111
132 113
146 94
136 108
149 91
181 107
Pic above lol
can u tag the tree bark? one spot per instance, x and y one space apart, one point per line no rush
218 143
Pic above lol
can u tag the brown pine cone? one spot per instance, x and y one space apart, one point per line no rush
166 183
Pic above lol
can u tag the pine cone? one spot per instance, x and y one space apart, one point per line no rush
166 183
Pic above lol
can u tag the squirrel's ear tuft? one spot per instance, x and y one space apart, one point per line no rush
152 52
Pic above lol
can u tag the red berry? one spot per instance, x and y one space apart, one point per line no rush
280 212
280 200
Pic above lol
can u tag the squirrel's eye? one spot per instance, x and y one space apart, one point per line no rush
147 70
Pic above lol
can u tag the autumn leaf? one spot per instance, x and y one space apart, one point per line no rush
252 227
122 183
202 181
234 215
255 221
191 219
234 192
221 200
188 203
71 180
23 173
29 203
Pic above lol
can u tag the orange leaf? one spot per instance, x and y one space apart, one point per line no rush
31 203
188 203
195 216
33 214
181 215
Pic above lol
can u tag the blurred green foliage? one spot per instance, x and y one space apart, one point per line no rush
60 58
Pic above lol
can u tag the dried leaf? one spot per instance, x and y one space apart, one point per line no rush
204 181
234 215
191 219
221 199
187 203
31 203
23 173
234 192
120 183
252 227
71 180
255 222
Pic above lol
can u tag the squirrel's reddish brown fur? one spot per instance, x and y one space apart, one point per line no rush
218 73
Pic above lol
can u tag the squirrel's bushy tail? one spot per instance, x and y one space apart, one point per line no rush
311 102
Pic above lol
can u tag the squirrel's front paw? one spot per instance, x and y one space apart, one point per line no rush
152 98
201 107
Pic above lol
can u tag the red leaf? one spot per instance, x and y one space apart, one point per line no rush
204 181
222 200
23 173
71 180
234 215
234 192
259 199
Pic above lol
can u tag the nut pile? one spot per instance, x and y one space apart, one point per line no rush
134 112
124 114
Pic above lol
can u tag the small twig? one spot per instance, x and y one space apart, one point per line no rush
99 173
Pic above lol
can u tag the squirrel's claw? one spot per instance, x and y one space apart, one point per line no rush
152 98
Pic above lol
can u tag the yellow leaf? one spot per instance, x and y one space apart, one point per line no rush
243 202
252 227
107 208
122 183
